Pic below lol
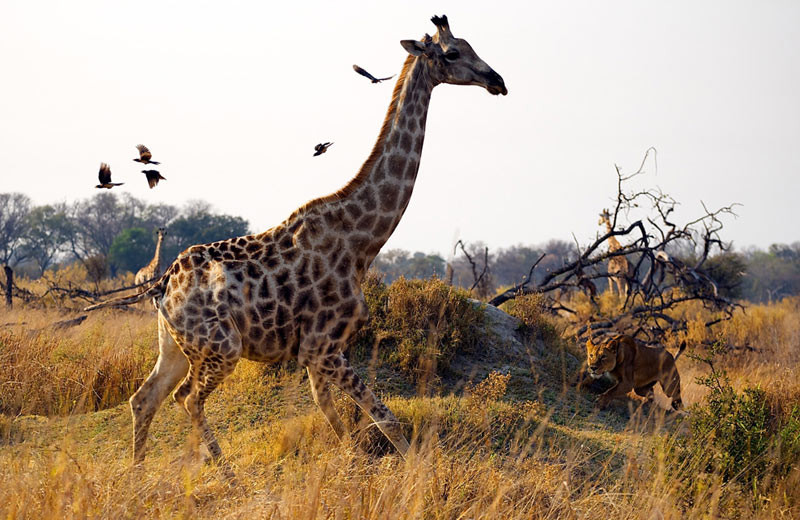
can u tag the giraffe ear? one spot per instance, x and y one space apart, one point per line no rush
413 47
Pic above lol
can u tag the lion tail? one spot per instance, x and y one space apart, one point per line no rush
681 349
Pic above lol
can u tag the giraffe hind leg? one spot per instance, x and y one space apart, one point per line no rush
207 373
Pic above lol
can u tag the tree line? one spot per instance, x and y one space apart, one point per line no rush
753 274
107 233
110 234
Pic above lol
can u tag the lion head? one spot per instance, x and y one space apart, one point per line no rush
601 357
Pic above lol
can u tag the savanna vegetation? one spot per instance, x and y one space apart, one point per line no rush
498 432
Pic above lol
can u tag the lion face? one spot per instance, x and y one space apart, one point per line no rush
601 358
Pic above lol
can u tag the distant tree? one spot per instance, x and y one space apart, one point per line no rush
49 230
14 209
198 225
727 270
772 274
513 263
132 249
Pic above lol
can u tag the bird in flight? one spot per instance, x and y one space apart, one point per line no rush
153 176
105 177
321 148
370 76
144 155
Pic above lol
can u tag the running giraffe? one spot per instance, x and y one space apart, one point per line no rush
294 291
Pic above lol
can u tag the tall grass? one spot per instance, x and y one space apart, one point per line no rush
497 449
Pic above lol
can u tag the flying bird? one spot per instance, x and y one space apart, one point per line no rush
105 177
153 176
370 76
321 148
144 155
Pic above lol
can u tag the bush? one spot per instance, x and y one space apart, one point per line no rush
419 325
737 435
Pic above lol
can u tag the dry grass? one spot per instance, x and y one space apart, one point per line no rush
512 446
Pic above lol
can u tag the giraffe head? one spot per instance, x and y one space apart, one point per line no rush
162 232
605 218
452 60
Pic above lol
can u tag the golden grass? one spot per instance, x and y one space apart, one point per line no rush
512 446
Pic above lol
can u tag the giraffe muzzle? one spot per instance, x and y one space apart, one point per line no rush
495 84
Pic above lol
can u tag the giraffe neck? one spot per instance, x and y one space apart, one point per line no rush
357 220
156 262
383 187
613 243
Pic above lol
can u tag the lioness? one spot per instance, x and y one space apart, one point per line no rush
633 367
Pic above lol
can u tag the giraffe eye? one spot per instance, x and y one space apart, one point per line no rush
451 55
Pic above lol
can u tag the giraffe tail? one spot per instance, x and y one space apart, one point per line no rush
156 290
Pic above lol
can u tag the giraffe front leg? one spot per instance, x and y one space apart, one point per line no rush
343 376
171 366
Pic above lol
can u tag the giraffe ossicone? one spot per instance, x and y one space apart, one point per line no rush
294 291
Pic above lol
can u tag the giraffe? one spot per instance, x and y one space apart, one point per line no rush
153 269
293 291
620 269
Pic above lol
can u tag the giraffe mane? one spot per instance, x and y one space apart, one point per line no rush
363 173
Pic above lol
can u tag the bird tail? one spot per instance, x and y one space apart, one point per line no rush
155 291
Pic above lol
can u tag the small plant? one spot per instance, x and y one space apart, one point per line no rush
531 310
735 434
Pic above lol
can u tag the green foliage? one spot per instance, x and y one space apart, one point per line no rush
727 270
396 263
132 249
735 434
49 229
200 226
418 325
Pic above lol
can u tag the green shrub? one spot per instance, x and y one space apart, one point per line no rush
736 435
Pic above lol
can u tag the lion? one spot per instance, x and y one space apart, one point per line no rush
634 367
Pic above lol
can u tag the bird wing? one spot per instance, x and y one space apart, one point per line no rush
364 73
144 153
384 79
104 174
153 176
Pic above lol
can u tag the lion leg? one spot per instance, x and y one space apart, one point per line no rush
671 383
646 391
621 389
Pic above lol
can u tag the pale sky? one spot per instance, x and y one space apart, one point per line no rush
233 96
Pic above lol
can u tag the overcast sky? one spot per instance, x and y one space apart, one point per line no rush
233 96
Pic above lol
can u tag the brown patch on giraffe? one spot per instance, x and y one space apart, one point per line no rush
367 198
354 210
406 142
366 223
397 164
388 195
382 225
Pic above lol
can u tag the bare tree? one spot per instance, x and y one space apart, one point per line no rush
659 280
